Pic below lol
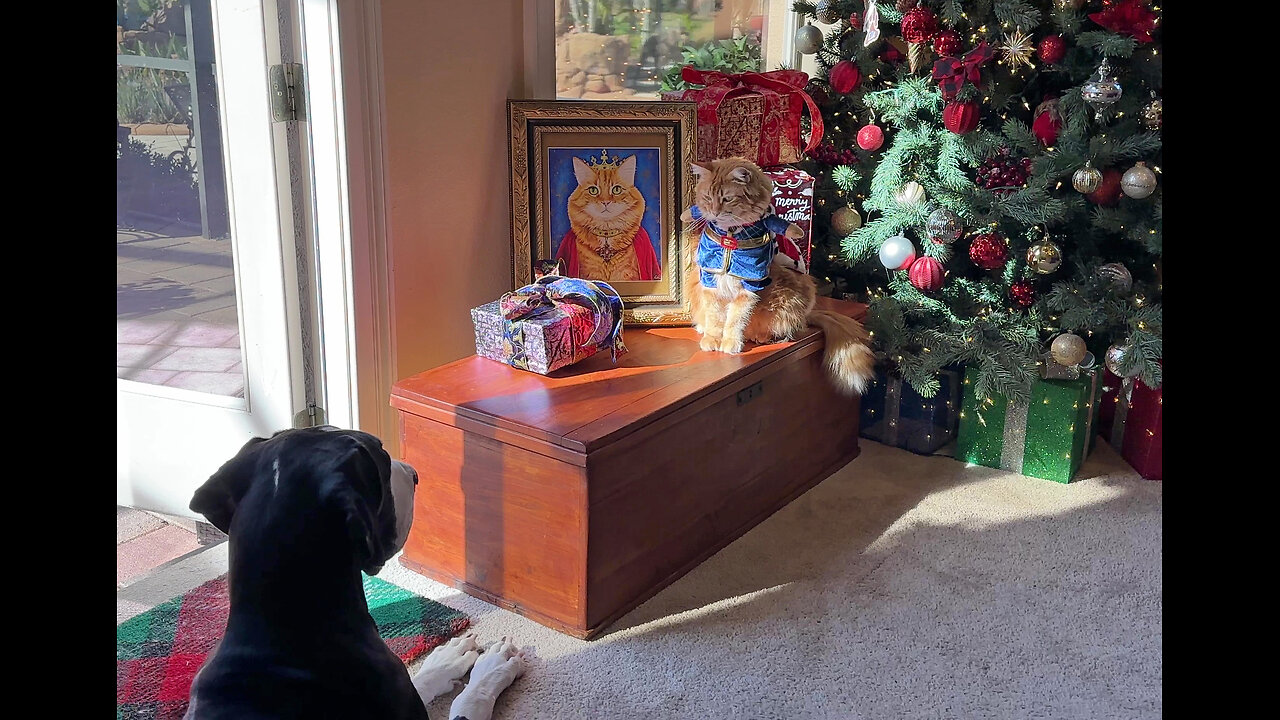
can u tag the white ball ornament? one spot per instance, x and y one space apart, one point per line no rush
912 193
1138 181
897 253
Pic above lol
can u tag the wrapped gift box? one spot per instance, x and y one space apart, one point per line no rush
895 414
793 202
1133 428
751 115
551 338
1048 437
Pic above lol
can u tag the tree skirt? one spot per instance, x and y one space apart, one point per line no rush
159 651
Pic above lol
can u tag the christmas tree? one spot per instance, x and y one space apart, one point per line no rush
1013 208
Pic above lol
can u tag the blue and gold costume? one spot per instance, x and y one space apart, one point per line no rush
744 253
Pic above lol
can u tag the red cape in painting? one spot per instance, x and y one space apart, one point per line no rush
649 269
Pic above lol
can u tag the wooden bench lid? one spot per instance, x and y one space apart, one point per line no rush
582 407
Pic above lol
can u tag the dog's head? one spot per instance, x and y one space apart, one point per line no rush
298 479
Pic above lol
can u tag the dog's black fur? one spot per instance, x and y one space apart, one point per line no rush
306 511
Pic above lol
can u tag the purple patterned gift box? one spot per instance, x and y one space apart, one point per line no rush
549 339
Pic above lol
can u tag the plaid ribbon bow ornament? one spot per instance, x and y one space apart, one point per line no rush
952 72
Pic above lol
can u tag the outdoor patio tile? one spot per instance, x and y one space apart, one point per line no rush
141 356
199 333
233 342
145 375
204 359
152 266
207 302
217 383
221 316
144 299
141 331
150 241
192 274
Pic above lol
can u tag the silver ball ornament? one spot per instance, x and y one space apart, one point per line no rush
1138 181
897 253
826 12
845 220
1116 276
1044 257
1116 357
944 226
1086 179
808 39
1068 349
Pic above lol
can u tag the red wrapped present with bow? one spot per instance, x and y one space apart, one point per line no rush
1130 418
751 115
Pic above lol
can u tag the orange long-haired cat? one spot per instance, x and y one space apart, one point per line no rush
739 294
605 240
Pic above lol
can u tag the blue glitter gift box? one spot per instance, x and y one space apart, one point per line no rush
895 414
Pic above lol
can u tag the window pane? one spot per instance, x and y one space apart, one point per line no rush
624 49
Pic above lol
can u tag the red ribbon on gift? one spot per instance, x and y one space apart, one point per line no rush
952 72
722 86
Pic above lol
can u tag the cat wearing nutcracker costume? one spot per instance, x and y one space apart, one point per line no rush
739 293
605 240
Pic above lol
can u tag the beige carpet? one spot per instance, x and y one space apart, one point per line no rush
901 587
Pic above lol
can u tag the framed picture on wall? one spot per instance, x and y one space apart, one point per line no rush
600 187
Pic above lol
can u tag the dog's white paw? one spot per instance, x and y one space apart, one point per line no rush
445 665
499 666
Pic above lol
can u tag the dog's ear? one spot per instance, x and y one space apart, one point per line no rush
357 491
219 496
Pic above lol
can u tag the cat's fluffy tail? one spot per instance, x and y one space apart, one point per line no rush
848 357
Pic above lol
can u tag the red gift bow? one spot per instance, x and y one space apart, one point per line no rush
722 86
952 72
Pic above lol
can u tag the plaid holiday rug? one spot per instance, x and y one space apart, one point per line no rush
159 651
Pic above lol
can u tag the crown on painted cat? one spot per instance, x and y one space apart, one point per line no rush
605 160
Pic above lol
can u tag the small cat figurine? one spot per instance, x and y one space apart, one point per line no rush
605 240
739 293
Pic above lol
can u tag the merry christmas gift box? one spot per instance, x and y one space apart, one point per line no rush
755 115
1048 437
1133 427
793 202
895 414
550 324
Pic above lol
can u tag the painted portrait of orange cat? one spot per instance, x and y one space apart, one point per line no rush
606 240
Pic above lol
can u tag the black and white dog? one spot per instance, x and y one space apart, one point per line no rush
306 510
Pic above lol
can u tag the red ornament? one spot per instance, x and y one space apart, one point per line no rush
988 251
1004 174
855 21
961 117
1127 17
926 274
1047 122
947 44
1108 192
1052 49
1023 293
844 77
919 25
870 137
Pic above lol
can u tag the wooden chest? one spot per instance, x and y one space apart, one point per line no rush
571 499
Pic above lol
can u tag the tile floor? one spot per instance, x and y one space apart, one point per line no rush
176 317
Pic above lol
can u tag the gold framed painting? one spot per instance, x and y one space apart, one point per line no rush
599 186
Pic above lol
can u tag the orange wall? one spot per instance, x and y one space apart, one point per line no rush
448 69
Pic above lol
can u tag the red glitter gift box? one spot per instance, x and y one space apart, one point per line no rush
1133 428
755 115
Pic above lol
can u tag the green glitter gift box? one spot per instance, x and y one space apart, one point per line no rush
1048 437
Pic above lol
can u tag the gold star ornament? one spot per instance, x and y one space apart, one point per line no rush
1017 49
